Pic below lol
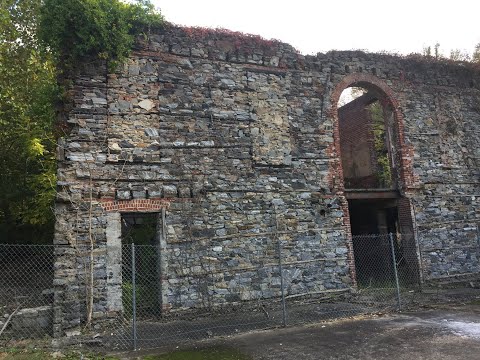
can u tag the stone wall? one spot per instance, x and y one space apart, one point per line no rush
32 321
230 135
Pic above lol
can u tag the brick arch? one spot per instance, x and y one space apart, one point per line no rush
406 178
365 80
405 156
136 205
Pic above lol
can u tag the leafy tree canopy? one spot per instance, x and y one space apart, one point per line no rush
27 92
38 40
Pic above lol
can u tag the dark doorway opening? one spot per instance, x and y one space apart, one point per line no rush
141 265
139 228
380 231
372 222
374 216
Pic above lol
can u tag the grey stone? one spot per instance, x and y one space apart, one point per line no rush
234 137
151 132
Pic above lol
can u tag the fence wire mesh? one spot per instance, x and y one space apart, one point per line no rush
26 291
386 269
164 299
271 289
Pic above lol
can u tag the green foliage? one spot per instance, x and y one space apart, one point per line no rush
38 40
145 296
427 51
384 171
80 30
37 354
27 158
142 233
211 353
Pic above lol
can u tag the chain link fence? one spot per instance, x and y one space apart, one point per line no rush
386 278
194 300
26 291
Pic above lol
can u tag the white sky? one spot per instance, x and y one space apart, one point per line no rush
312 26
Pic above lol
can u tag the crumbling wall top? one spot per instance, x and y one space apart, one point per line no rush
236 47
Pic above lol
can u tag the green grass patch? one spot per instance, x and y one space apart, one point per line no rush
201 354
30 354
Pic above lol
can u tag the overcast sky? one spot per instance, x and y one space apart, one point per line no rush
312 26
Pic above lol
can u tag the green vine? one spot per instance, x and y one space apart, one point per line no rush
384 171
77 31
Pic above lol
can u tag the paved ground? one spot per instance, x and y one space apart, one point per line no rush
445 333
193 328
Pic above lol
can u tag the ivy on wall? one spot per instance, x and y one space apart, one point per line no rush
81 30
384 170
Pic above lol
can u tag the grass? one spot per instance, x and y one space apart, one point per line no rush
31 354
214 353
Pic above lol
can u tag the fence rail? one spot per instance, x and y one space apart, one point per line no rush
273 288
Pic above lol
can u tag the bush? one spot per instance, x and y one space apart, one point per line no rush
79 30
145 298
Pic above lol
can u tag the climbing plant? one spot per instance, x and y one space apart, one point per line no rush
384 171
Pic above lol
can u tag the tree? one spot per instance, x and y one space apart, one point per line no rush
39 40
437 51
427 51
476 54
27 93
459 55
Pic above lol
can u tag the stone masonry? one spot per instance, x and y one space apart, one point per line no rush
225 136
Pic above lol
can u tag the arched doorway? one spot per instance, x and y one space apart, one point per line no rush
370 157
370 144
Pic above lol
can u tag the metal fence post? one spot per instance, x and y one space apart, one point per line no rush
284 308
134 301
394 262
478 240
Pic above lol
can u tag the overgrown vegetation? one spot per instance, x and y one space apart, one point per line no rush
27 148
40 39
79 30
37 354
476 54
384 171
455 54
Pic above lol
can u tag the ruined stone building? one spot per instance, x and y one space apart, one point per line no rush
230 142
